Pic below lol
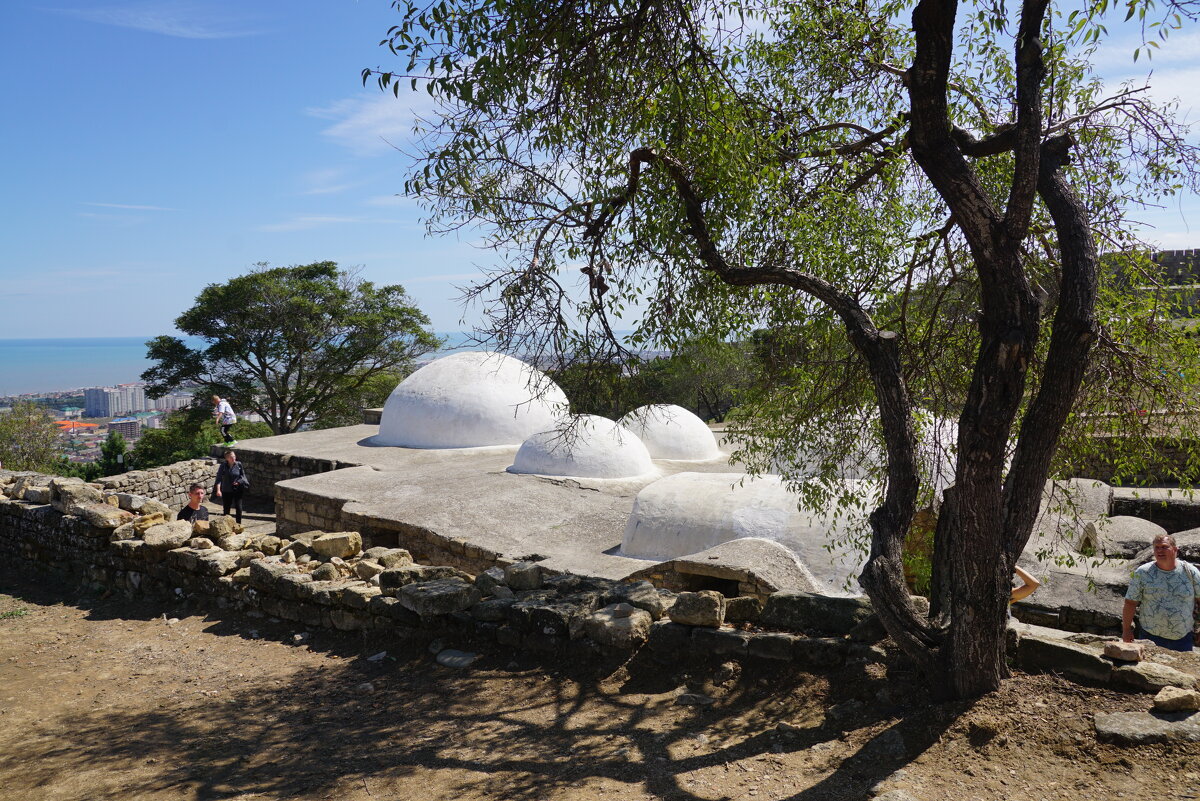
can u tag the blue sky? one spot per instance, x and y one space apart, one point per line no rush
155 146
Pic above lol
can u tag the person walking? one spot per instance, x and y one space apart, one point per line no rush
223 414
231 484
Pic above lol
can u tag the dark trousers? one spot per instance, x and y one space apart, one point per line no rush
225 433
233 499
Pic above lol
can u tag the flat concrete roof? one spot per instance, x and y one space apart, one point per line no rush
575 523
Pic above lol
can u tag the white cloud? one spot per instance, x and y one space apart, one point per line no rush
374 124
129 206
180 19
326 182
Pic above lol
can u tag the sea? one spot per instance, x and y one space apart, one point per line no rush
44 366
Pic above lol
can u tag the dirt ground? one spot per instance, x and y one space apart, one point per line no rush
107 699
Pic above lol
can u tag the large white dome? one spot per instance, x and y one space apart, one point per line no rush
691 512
469 400
586 446
672 432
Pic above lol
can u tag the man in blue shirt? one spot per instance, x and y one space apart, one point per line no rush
1164 594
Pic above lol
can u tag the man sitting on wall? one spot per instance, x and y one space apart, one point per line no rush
194 511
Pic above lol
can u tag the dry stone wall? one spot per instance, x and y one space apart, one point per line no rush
167 484
328 580
265 468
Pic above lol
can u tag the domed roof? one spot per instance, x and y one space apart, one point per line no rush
672 432
469 400
589 447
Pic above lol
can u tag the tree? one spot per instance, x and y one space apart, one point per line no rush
290 343
29 439
918 208
186 434
112 454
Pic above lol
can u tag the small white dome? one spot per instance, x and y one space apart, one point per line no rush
589 447
672 432
468 400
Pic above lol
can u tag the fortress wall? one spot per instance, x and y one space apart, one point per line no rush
166 484
523 608
266 468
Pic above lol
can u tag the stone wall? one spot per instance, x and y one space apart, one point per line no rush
298 511
166 484
265 468
328 581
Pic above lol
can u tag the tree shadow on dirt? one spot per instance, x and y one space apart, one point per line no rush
509 727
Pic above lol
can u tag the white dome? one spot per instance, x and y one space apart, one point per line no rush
590 447
672 432
469 400
691 512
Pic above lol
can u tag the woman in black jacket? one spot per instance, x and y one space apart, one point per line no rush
231 484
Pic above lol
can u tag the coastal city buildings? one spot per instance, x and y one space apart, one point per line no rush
125 399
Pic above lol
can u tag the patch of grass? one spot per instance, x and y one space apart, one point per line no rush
13 614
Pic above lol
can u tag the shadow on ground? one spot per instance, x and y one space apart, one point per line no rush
507 728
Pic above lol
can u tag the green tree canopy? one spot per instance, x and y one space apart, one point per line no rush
29 439
186 434
290 343
911 197
112 454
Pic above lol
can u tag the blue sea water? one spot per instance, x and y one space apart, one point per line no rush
53 365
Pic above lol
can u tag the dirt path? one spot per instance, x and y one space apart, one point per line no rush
106 699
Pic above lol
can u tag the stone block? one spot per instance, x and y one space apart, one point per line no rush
66 493
720 641
37 494
703 608
395 557
366 570
392 579
123 532
1046 654
553 618
1177 699
620 626
346 620
102 515
523 576
670 640
641 594
492 610
326 572
147 521
743 609
392 609
321 592
489 580
358 596
216 562
820 653
342 544
167 536
439 597
1150 677
1141 728
772 645
151 506
264 572
1124 651
804 611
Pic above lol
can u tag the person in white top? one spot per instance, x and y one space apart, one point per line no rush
223 414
